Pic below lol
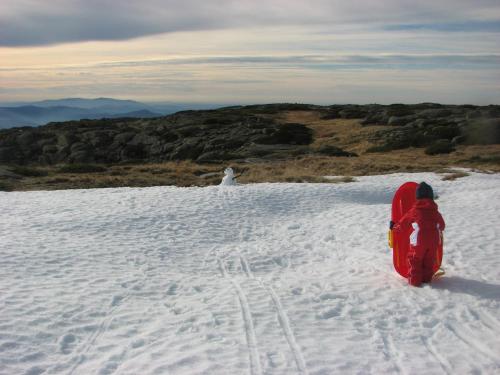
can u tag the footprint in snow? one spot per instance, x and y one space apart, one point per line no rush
32 357
281 261
329 238
138 343
177 310
109 368
67 343
330 313
328 296
172 289
198 288
275 359
35 371
8 346
116 300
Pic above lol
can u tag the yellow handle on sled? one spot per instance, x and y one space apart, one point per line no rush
391 240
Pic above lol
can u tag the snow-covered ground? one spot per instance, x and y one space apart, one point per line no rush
254 279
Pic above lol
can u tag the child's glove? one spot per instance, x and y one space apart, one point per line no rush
395 227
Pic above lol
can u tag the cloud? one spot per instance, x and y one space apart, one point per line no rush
40 22
326 62
471 26
315 62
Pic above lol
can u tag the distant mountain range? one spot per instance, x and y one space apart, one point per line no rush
43 112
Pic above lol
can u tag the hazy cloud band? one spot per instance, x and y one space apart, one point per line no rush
40 22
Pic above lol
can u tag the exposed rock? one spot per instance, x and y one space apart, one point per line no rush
79 157
75 147
97 138
45 141
482 131
375 118
25 139
458 140
441 146
431 122
445 132
295 134
350 113
123 138
65 139
400 120
399 110
191 149
133 152
473 114
49 149
5 173
9 153
436 112
215 156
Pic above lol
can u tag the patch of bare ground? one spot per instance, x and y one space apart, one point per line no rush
455 175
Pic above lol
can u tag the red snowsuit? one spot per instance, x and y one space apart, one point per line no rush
427 225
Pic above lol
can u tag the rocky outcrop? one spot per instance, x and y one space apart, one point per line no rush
428 124
424 125
203 136
243 133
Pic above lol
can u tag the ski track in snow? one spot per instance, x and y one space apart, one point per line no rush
255 279
282 317
249 328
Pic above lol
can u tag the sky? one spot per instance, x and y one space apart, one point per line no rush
252 51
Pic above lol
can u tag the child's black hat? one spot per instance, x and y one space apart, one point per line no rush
424 191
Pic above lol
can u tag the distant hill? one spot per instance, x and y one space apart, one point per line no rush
102 103
40 113
70 109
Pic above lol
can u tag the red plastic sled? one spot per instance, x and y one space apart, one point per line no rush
403 200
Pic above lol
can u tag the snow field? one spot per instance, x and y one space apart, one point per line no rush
256 279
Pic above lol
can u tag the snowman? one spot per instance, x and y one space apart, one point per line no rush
228 178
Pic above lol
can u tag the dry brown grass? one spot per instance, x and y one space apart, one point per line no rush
454 175
348 134
172 173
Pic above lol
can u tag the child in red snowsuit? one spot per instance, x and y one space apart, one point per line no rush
427 225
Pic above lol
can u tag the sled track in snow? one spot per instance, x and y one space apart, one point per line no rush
392 354
463 334
282 318
256 368
250 333
443 362
486 320
470 342
104 325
